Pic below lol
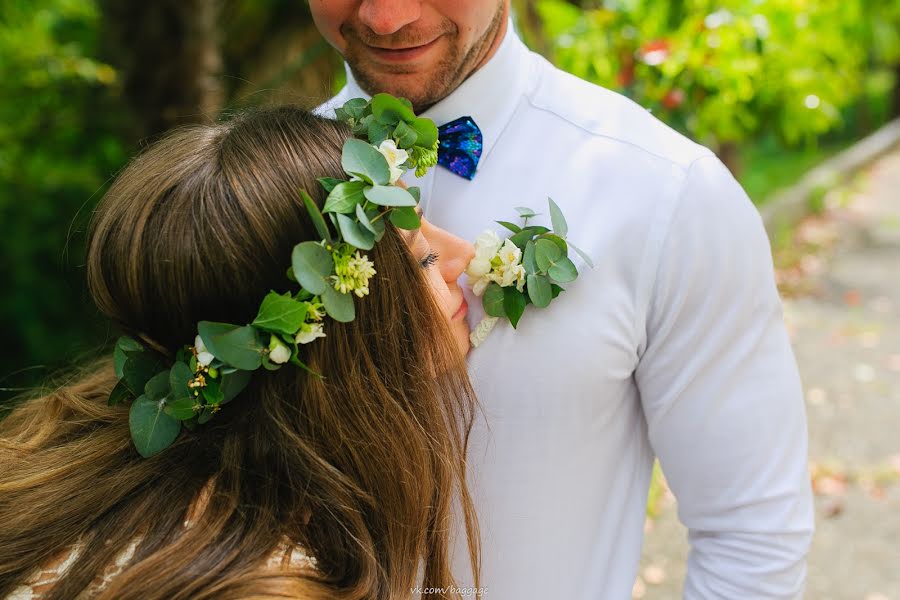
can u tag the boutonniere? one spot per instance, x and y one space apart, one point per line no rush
528 267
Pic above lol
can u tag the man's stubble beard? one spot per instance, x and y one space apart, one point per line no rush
450 72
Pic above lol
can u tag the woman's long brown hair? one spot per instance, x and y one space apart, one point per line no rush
364 469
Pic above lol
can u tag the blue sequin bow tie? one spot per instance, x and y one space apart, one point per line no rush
459 148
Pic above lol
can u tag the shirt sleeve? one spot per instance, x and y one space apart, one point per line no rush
722 396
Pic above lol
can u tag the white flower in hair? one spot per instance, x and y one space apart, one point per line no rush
204 356
395 157
279 353
310 332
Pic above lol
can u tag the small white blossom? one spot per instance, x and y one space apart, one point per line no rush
309 332
204 356
279 353
395 157
479 269
487 244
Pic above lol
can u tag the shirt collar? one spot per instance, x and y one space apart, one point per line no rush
489 95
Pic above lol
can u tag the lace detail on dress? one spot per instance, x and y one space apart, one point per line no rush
43 581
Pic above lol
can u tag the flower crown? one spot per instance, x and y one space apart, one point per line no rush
325 275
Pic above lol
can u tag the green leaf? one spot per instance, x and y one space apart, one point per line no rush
492 301
524 236
513 304
528 259
345 197
583 255
341 115
139 367
525 212
389 195
546 253
416 193
280 314
182 409
563 270
179 376
355 107
390 110
363 160
376 228
560 227
152 430
511 226
119 394
557 290
378 132
563 245
124 344
338 306
205 415
405 136
355 234
427 132
212 393
329 183
157 386
233 384
237 346
312 263
405 218
539 290
316 216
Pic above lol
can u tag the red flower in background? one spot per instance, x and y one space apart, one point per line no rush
654 53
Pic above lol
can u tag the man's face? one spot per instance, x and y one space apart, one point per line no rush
417 49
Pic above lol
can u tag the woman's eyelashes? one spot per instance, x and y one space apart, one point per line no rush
429 260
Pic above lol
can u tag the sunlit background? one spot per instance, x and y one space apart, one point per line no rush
775 87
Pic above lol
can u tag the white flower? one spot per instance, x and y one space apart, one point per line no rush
487 244
279 353
479 267
309 332
509 254
395 157
204 356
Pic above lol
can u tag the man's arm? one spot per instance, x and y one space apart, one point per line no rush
722 397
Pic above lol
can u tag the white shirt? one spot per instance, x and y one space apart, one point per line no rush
672 346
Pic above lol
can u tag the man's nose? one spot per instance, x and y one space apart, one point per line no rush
385 17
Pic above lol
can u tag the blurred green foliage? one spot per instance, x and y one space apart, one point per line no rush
59 143
729 71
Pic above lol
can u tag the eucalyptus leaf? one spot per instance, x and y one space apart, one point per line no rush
528 260
525 212
157 387
212 393
345 197
513 304
119 394
179 376
389 195
405 218
182 409
557 290
511 226
563 270
152 430
583 255
124 344
316 216
415 192
280 314
405 136
563 245
560 227
492 301
375 228
361 159
355 234
378 132
546 253
312 263
139 367
238 346
539 290
390 110
338 306
329 183
355 107
233 384
204 417
527 233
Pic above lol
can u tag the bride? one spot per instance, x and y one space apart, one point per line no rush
337 480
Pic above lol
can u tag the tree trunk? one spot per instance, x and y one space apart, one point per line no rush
895 101
169 55
730 154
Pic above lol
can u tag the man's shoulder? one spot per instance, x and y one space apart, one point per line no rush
606 114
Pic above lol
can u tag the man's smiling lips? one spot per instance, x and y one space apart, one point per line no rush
399 55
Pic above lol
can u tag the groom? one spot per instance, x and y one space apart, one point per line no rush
673 346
